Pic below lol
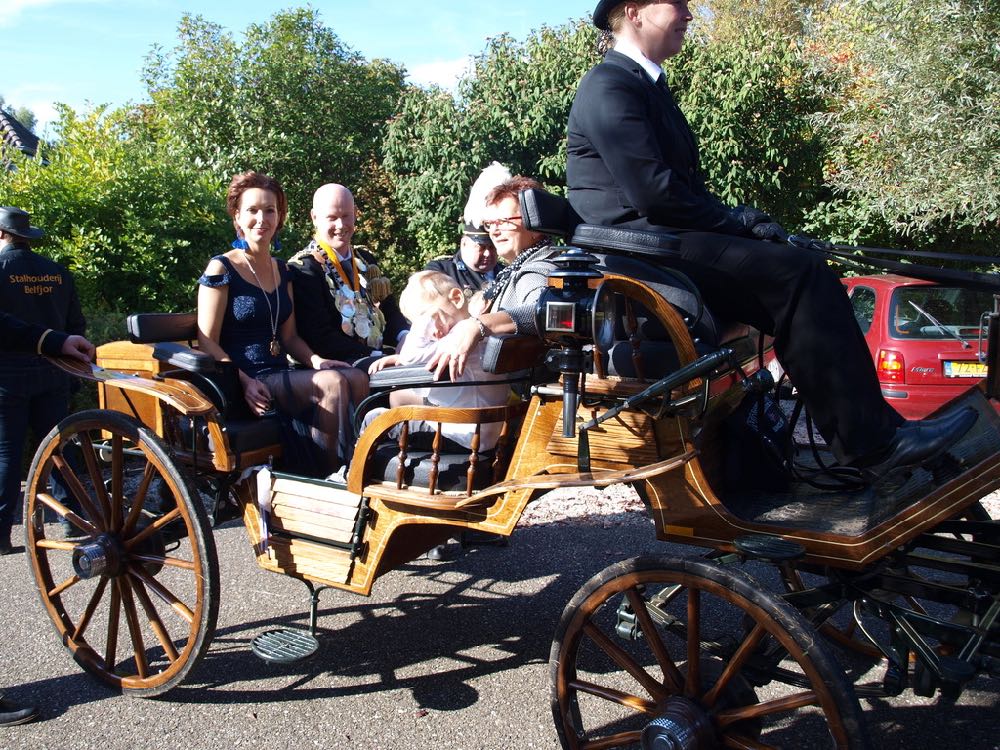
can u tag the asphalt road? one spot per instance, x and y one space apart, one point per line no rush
441 656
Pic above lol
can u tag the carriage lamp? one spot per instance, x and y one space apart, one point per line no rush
566 310
566 315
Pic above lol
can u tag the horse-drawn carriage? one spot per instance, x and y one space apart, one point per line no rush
691 651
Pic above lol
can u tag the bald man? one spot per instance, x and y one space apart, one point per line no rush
339 305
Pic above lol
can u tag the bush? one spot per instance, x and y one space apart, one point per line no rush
914 92
135 225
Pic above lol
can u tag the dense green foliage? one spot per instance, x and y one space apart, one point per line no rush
512 108
289 100
749 96
135 225
913 122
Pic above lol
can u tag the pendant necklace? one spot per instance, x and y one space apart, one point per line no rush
272 316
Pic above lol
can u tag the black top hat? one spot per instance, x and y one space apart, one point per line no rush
17 222
480 236
601 13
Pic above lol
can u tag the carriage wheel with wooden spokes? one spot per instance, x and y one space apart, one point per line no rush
699 656
135 597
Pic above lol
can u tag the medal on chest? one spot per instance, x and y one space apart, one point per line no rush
358 316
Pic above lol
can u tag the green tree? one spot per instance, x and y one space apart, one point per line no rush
749 96
512 107
22 114
134 224
913 122
290 100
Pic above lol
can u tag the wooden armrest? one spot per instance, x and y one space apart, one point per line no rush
389 419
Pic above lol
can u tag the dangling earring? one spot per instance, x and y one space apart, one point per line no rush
240 244
277 242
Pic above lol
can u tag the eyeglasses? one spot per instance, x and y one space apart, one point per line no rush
509 223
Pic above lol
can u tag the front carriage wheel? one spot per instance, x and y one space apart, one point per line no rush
147 560
703 651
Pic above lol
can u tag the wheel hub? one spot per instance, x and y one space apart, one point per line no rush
683 725
101 557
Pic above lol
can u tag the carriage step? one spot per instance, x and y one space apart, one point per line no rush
769 548
284 645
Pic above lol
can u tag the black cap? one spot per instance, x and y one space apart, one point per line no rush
480 236
17 222
601 13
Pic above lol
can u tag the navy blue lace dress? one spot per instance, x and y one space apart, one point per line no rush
246 327
246 337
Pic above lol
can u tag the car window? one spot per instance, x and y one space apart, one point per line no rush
863 302
937 312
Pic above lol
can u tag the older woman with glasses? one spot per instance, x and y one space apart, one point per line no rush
509 301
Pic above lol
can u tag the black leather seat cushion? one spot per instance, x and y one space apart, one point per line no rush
252 434
635 241
151 328
452 468
244 435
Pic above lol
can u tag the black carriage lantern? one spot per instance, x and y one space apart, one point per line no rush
569 316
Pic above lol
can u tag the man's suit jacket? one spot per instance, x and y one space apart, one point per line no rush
632 158
318 319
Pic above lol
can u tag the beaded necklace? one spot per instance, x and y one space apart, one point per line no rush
503 279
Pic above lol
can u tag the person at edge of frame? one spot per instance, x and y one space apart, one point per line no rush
27 338
632 162
34 395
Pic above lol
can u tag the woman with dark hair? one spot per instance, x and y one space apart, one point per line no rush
246 316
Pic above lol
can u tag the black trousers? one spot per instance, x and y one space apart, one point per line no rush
792 295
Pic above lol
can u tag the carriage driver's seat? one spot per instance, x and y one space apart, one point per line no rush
651 257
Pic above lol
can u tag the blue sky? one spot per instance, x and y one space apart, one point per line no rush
88 52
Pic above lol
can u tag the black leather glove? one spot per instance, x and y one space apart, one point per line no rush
749 216
770 230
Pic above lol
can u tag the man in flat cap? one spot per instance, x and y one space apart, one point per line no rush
633 162
33 394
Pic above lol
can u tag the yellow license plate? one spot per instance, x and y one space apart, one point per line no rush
964 370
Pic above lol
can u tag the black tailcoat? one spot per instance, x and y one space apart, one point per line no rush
633 161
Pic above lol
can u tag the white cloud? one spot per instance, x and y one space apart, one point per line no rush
443 73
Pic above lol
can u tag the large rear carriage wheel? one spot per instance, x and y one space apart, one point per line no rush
701 653
135 597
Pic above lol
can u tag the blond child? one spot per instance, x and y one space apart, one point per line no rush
434 302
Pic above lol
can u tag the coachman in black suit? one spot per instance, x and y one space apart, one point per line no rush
633 162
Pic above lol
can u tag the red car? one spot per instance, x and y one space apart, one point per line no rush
924 338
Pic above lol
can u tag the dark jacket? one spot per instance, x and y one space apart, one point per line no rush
18 336
632 157
38 291
318 320
470 280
